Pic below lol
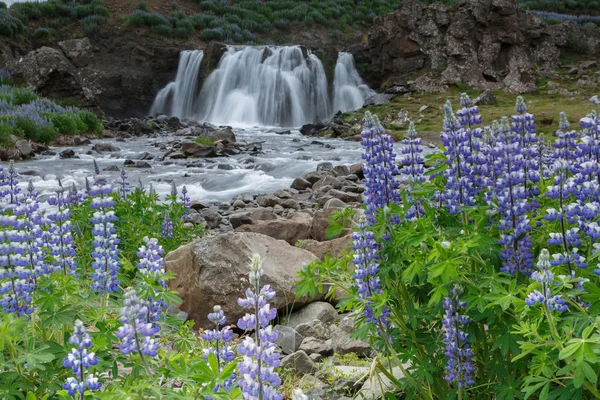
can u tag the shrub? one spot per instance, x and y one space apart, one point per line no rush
9 25
43 33
143 6
212 34
282 24
5 77
2 5
91 121
91 23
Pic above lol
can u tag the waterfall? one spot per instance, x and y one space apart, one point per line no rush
266 85
349 90
178 98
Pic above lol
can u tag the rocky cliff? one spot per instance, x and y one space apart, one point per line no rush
489 44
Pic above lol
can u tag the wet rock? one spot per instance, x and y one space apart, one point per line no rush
192 149
129 163
112 168
291 229
288 340
79 141
333 248
324 166
224 134
214 270
300 362
301 184
312 129
288 132
69 153
321 311
267 200
145 156
24 148
174 123
213 218
197 205
341 170
312 345
346 196
240 219
142 164
105 147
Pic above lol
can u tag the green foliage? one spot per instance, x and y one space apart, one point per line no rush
143 6
577 45
205 140
9 25
43 33
338 221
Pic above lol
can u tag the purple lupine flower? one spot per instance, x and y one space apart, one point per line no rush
545 278
187 203
136 335
460 367
412 170
167 227
12 179
257 377
219 338
469 119
460 189
523 124
366 275
152 266
380 170
16 280
30 221
79 361
61 234
513 202
106 262
75 197
565 144
123 184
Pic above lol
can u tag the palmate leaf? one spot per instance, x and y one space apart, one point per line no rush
64 316
35 359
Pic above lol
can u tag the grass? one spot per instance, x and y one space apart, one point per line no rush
544 105
205 140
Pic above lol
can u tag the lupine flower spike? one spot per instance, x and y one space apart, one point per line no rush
123 184
61 231
219 338
79 361
167 227
187 203
257 376
546 279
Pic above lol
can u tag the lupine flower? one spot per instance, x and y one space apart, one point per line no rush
513 202
75 198
524 126
106 262
187 203
123 184
167 227
545 278
460 190
257 377
566 143
16 279
460 366
412 170
12 179
30 219
152 266
61 233
173 190
219 338
380 170
136 335
79 361
366 275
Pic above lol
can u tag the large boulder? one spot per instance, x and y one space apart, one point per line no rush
332 247
214 270
291 230
79 51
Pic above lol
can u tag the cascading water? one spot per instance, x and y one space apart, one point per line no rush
349 90
178 98
268 86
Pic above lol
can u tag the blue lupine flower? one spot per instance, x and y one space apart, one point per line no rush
152 266
167 227
12 179
460 366
75 197
257 369
412 170
545 278
123 184
79 361
16 278
136 335
366 276
380 170
218 338
566 143
61 234
187 203
106 262
523 124
30 220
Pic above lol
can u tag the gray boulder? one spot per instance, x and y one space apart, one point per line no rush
288 340
79 51
321 311
300 362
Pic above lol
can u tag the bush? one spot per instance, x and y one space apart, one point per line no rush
143 6
91 23
43 33
5 77
2 5
213 34
9 25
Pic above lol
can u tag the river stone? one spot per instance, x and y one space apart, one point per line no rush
197 205
192 149
142 164
378 384
224 134
341 170
239 219
320 310
69 153
312 345
357 169
105 147
327 181
263 214
335 203
346 197
291 229
332 247
300 362
112 168
283 194
290 203
324 166
214 270
268 200
301 184
24 148
288 339
314 177
320 223
213 218
239 204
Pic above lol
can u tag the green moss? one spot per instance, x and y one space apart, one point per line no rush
205 140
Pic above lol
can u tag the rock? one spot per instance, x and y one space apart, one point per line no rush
290 203
283 194
197 205
239 204
174 123
142 164
263 214
377 385
312 345
237 220
321 311
213 218
486 98
312 129
288 340
40 66
79 141
320 223
324 166
327 181
314 177
24 148
423 108
378 99
193 149
214 270
145 156
351 371
341 170
291 230
335 203
105 147
300 362
224 134
79 51
346 197
69 153
357 169
344 344
267 200
112 168
316 357
332 247
301 184
129 163
288 132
